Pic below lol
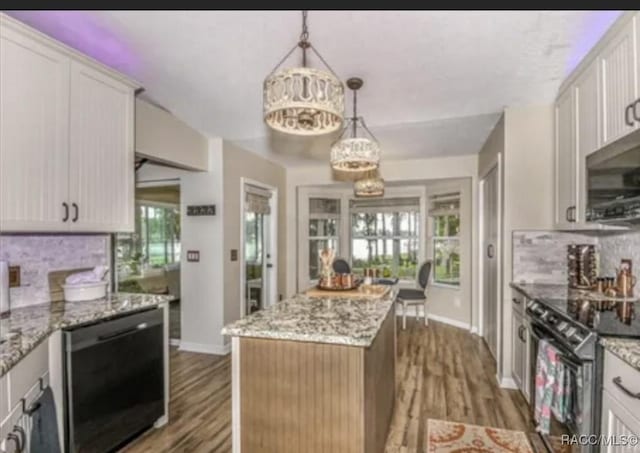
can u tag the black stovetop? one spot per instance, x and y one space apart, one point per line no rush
605 318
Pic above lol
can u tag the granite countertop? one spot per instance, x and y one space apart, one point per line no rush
352 321
540 291
26 327
626 348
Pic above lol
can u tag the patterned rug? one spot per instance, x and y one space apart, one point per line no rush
450 437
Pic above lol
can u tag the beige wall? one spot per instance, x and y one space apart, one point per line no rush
524 136
163 137
239 163
414 171
488 156
455 304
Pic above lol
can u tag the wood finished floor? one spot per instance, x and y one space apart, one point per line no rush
443 372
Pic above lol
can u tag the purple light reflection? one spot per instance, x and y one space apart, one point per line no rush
86 32
595 25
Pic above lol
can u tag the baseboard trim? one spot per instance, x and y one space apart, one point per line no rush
452 322
507 383
205 348
174 342
474 330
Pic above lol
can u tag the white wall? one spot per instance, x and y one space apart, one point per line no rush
414 170
202 283
164 138
525 138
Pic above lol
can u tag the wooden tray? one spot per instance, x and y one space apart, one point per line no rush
364 292
356 284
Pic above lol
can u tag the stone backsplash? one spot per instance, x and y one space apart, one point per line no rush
541 256
614 247
37 255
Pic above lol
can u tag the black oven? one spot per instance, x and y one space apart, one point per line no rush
581 418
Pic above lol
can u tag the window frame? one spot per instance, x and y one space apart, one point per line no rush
395 237
345 194
434 237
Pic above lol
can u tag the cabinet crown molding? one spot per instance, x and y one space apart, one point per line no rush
24 29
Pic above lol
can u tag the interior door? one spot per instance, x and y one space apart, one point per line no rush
259 265
490 260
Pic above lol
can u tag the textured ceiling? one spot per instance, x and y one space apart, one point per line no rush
434 81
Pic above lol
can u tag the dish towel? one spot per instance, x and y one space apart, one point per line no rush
44 425
553 387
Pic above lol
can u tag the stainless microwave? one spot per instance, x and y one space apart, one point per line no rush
613 183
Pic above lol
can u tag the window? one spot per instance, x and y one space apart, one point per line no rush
446 239
385 236
155 243
324 230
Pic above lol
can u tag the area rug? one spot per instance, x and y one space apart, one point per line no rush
451 437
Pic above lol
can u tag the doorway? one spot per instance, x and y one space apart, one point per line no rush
148 260
258 241
490 253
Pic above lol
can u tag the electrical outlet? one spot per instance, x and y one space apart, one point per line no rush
14 276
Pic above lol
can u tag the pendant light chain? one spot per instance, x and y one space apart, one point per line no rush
355 113
304 39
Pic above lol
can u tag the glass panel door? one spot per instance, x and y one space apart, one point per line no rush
254 261
323 231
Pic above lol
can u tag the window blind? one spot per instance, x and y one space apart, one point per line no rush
444 204
257 200
405 204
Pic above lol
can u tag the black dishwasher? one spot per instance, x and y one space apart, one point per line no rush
114 380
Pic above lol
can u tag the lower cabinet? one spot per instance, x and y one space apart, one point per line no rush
620 405
520 352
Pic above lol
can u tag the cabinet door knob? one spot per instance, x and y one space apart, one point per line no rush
636 110
618 383
566 214
627 117
65 205
490 251
76 212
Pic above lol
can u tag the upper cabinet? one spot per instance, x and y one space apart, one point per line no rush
565 161
101 157
34 137
66 138
590 114
619 88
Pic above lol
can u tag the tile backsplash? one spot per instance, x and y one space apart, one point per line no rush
37 255
615 247
541 256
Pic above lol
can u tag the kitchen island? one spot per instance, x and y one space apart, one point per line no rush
314 374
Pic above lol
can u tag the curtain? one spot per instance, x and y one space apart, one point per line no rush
257 200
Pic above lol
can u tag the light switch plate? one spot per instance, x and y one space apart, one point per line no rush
234 254
193 256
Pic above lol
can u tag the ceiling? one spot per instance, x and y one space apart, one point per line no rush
435 82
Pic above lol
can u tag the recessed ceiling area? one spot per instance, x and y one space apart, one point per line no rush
434 82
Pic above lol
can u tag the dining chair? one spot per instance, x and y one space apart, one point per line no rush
341 266
416 296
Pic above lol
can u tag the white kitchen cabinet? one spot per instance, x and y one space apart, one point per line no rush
34 137
620 403
618 68
66 138
520 351
101 155
565 159
587 94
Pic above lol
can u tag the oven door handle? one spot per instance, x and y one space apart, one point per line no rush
563 357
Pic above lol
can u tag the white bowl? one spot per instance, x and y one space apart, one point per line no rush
85 291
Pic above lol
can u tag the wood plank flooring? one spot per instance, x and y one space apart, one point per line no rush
442 372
